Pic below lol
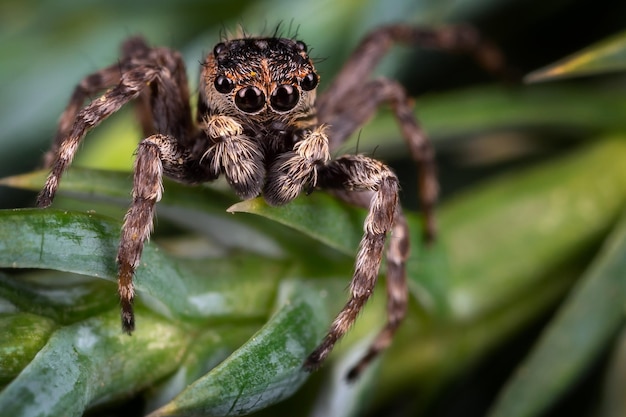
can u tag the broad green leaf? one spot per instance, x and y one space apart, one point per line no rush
340 226
93 361
86 243
550 214
320 216
605 56
265 369
63 297
22 335
210 347
198 208
116 186
589 319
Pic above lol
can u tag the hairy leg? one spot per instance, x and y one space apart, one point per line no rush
296 170
350 100
233 154
458 39
132 50
169 103
130 86
360 107
90 85
360 173
157 155
157 77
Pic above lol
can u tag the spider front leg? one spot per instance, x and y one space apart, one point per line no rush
156 155
157 75
296 170
360 173
235 155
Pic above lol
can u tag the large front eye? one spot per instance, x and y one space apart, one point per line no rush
250 99
224 84
284 98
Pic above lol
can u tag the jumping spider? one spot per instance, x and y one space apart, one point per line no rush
258 124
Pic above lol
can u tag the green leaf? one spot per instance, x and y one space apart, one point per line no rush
549 214
340 226
612 401
93 361
341 398
116 186
22 335
63 297
514 245
320 216
603 57
452 116
200 208
86 243
267 368
210 347
589 319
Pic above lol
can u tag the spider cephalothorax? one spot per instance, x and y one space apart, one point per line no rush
268 77
259 125
262 91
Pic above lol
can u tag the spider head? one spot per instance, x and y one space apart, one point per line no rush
259 78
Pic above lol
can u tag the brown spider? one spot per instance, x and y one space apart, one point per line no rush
259 125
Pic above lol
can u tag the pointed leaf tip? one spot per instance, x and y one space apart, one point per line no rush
603 57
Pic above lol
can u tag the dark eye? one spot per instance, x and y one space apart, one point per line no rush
301 46
224 84
219 48
250 99
309 82
284 98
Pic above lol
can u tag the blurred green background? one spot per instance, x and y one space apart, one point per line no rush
47 46
483 130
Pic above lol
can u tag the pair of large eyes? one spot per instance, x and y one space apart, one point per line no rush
251 99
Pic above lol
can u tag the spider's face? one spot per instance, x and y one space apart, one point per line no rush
267 77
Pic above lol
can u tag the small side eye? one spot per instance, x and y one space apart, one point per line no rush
250 99
301 46
219 48
224 84
309 82
284 98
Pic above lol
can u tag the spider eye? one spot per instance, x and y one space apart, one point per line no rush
250 99
219 48
284 97
301 46
224 84
309 82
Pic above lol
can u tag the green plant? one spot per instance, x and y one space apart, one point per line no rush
232 301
